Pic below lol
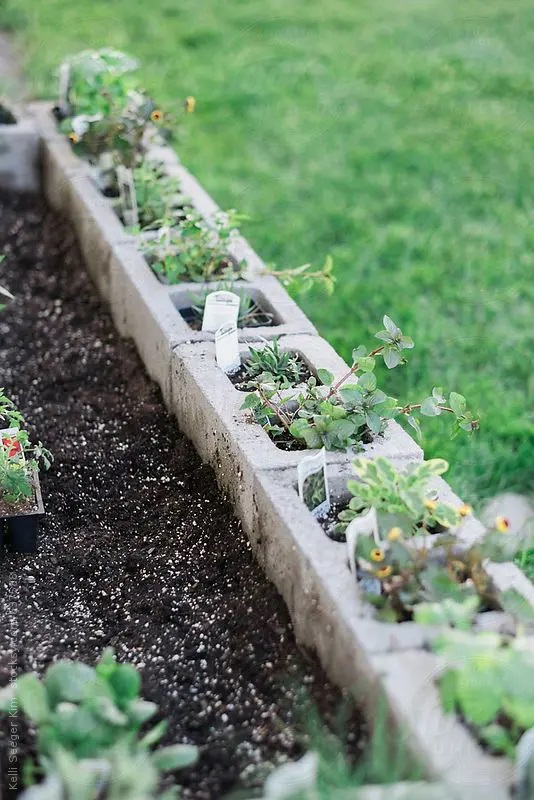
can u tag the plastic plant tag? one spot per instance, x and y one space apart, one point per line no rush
130 213
294 780
227 348
221 307
313 484
362 525
64 88
10 443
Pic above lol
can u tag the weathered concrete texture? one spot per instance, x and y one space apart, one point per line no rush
208 408
19 157
453 755
288 319
516 508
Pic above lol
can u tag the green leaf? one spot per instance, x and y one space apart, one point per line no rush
392 357
498 739
177 756
154 734
325 377
366 364
414 422
33 698
373 422
390 326
126 683
367 382
251 401
140 711
458 403
359 352
69 680
479 691
429 408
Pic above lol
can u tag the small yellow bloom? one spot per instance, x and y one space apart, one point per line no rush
502 524
156 115
74 137
377 554
190 104
394 534
431 505
465 510
384 572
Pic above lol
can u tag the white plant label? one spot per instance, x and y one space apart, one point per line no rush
220 308
125 179
227 348
360 526
313 484
64 87
10 443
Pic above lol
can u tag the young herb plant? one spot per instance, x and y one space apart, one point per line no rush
436 580
272 366
19 458
489 681
90 719
158 196
342 414
402 499
194 252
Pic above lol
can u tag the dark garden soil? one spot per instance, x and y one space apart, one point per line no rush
138 548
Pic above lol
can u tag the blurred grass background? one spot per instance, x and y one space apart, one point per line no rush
397 137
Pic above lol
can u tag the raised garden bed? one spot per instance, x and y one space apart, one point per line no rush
176 591
310 572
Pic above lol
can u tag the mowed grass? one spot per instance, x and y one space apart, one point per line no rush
397 137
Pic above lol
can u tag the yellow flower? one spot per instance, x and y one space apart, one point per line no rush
430 505
384 572
74 137
394 534
377 554
156 115
465 510
190 104
502 524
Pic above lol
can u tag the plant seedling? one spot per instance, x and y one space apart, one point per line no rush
273 366
343 414
19 458
402 499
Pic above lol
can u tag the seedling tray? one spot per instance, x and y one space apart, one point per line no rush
20 529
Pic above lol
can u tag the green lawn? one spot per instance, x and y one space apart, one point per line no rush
395 135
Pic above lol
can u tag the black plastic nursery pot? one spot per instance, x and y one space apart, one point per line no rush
19 531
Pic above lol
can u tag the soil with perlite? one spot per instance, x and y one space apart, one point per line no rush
138 549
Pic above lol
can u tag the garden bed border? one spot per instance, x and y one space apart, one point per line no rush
358 652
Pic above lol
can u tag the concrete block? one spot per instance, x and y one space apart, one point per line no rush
60 167
98 228
407 791
19 157
142 310
442 740
288 319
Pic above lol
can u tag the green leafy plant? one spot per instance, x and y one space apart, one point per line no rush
436 580
107 111
273 366
401 498
158 196
339 414
83 713
19 457
304 278
193 251
488 679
